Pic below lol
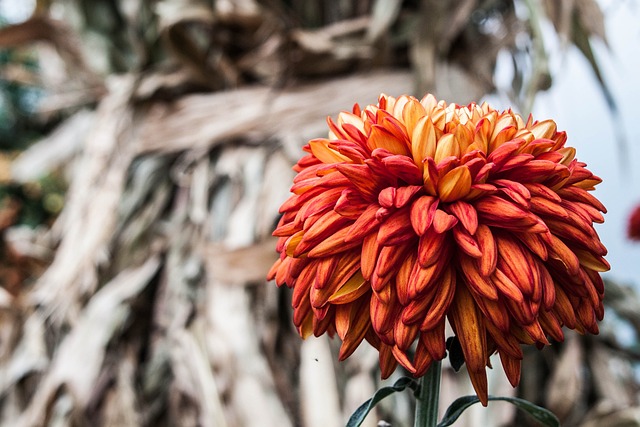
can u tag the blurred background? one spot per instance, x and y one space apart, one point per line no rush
146 146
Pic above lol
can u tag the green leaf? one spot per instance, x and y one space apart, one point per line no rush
544 416
357 418
456 357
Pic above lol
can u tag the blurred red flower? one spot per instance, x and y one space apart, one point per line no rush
633 229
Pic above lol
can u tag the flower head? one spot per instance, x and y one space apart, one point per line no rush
414 213
633 228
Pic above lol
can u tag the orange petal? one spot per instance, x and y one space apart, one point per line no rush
474 280
487 245
507 287
403 360
523 313
422 279
447 146
541 190
364 225
587 317
594 262
353 289
320 149
434 341
404 335
545 129
325 226
469 328
402 278
390 259
383 315
403 168
505 341
498 210
455 184
516 263
515 191
324 271
321 326
535 243
417 309
504 152
332 245
412 112
548 287
544 206
388 363
369 257
362 178
506 134
440 305
430 176
423 140
306 327
564 309
570 233
495 313
551 325
560 251
358 324
381 137
282 275
511 367
274 269
534 330
303 283
422 359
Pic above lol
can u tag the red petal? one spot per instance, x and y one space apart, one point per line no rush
577 194
430 247
402 359
507 287
417 309
364 225
390 259
442 221
404 335
466 214
442 301
396 229
422 278
422 213
383 315
466 242
362 178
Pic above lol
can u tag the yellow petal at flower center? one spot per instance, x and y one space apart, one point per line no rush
455 184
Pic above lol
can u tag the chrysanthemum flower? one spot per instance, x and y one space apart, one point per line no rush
633 229
413 213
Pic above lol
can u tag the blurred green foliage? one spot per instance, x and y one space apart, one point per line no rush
20 126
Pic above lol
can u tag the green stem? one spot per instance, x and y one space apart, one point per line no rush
427 403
